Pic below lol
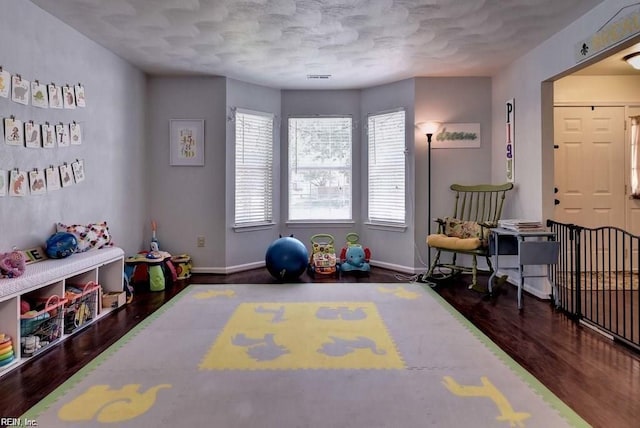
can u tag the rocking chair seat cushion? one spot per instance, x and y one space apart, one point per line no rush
438 240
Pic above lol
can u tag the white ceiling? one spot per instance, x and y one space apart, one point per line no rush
279 43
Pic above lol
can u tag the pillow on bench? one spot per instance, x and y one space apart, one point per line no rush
89 237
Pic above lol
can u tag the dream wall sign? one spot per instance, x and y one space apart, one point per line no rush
457 136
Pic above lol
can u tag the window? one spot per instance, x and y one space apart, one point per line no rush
254 168
386 145
320 168
635 158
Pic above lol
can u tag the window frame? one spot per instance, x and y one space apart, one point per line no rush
315 221
382 223
268 221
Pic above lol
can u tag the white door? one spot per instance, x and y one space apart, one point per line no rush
589 169
589 166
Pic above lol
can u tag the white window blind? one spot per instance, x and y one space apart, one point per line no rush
320 168
254 168
386 147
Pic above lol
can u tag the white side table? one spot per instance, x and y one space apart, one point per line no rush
529 251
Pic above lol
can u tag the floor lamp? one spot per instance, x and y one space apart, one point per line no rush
429 128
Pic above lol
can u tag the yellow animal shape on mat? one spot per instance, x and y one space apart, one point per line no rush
488 390
108 406
400 292
212 294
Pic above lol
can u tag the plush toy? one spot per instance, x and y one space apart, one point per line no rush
12 264
355 258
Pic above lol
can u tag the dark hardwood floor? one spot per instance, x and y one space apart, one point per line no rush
597 378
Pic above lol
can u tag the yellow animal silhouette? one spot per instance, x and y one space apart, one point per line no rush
399 292
106 405
211 294
488 390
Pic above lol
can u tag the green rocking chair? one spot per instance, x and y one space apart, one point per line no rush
476 210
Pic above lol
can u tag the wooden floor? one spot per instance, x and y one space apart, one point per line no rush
599 379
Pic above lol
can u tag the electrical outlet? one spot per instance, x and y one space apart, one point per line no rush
200 241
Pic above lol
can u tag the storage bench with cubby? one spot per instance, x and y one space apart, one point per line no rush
63 296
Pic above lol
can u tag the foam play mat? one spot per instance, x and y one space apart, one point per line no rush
304 355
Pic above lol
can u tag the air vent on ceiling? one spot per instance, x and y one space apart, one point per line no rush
318 76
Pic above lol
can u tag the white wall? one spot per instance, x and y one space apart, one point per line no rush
246 248
390 247
310 103
523 81
597 89
449 100
40 47
187 201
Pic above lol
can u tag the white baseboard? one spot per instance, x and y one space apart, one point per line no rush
229 269
260 264
542 294
398 268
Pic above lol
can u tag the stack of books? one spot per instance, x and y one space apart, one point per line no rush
521 225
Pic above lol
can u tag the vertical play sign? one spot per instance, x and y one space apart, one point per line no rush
510 131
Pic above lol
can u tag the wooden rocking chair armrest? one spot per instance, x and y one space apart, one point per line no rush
488 224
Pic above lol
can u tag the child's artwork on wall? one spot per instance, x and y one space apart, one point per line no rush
69 97
78 170
39 95
5 83
55 95
80 100
186 142
52 175
20 90
75 133
13 131
66 175
18 183
48 136
3 182
62 135
32 134
36 182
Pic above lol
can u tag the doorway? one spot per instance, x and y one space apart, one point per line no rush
589 166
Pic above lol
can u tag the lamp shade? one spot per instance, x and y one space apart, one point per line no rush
428 127
633 60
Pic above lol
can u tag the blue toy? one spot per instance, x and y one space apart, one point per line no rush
354 257
61 245
286 258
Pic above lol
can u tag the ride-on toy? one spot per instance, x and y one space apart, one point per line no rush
323 259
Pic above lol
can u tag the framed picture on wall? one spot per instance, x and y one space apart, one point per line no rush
186 142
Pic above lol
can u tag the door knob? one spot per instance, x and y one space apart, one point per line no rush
556 201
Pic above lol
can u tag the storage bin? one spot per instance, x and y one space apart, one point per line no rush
81 308
42 329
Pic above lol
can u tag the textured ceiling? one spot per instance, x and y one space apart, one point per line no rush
279 43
